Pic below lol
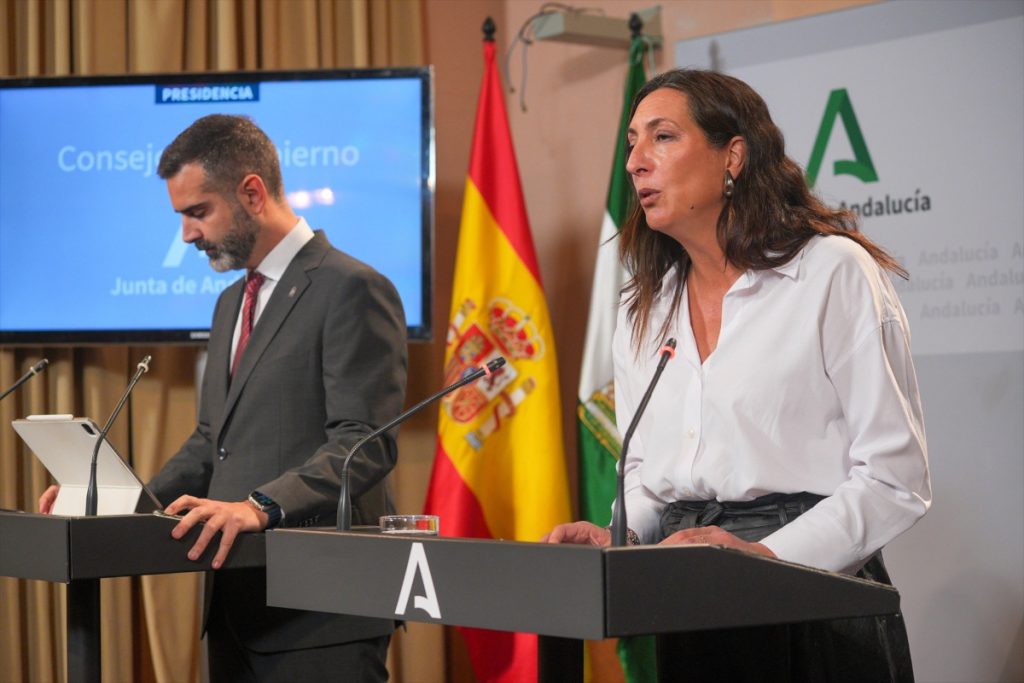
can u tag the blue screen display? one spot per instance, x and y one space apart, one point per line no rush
89 242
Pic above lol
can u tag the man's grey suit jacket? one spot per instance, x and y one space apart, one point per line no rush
325 365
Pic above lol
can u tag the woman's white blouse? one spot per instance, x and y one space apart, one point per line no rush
811 388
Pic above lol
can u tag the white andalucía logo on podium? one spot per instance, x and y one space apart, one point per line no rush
428 602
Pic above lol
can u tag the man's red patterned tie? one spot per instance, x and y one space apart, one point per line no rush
253 281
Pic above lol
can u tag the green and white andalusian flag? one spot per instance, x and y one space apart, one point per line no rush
599 440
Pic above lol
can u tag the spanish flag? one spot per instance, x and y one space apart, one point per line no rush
499 471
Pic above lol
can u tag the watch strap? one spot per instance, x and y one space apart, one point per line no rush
266 504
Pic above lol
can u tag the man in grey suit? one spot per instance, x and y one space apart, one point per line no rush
323 364
306 356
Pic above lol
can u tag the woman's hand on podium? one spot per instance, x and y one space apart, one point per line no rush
47 500
713 535
579 533
230 519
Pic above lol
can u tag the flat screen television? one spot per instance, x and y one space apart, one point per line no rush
90 249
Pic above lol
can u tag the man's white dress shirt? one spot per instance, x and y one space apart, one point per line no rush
272 268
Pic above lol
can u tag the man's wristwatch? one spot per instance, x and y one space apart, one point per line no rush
266 504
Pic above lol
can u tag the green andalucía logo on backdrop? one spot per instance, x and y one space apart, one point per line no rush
861 166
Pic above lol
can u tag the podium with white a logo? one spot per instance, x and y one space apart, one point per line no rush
564 593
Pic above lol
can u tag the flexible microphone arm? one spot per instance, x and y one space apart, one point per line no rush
91 493
619 526
34 370
344 502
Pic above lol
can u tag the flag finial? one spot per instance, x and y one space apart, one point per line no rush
636 25
488 29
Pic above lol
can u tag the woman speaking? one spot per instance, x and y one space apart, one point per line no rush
790 423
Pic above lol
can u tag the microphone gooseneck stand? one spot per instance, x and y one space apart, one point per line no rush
91 493
619 525
34 370
344 501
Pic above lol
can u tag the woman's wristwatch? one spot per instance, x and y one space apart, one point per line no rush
632 537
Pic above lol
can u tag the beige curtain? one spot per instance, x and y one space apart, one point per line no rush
150 624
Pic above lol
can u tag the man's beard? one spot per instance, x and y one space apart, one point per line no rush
234 250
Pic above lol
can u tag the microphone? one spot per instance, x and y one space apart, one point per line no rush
344 502
91 493
619 525
34 370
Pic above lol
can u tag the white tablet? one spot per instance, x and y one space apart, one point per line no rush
64 445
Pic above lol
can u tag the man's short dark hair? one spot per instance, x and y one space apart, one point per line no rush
228 148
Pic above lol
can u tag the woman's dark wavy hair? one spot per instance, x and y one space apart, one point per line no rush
770 217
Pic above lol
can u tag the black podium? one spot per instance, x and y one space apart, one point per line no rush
565 594
79 551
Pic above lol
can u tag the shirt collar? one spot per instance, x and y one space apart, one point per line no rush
748 279
790 269
277 261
